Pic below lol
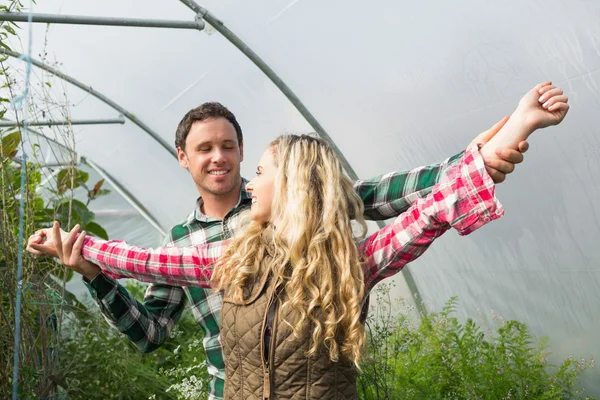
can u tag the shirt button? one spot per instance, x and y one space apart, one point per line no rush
487 219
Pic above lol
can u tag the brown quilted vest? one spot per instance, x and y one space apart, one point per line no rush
289 373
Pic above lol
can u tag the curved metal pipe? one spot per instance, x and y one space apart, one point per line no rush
125 194
131 199
119 121
103 21
100 97
268 71
203 13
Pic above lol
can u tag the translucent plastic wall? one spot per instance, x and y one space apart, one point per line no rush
396 84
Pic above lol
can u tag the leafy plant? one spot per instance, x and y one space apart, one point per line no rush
441 358
104 364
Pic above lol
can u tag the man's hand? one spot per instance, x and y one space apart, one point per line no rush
498 167
66 247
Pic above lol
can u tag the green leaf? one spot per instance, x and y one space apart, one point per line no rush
64 273
48 84
10 143
70 178
97 191
80 214
96 230
10 29
5 46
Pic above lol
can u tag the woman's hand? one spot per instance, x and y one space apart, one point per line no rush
544 105
66 247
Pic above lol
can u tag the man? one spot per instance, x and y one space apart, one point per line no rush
209 145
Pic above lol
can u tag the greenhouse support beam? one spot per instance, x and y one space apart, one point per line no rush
203 13
103 21
47 165
38 133
129 198
120 120
281 85
99 96
125 194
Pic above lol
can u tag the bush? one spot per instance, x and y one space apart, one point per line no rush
441 358
102 363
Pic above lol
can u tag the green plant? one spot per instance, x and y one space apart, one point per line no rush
102 363
46 304
442 358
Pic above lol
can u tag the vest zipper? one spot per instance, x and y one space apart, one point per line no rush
273 335
266 361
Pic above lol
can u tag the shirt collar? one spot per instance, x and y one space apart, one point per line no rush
198 215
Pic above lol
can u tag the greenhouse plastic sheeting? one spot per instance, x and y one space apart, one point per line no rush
396 84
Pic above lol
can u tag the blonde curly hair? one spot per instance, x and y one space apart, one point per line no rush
308 245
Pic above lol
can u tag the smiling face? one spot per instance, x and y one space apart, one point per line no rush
212 155
262 188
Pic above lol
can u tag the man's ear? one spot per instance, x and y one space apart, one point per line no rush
241 152
182 158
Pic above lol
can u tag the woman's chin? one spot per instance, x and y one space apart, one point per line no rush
258 217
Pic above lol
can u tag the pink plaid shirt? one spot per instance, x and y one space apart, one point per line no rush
464 200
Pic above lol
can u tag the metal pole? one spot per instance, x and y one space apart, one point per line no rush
248 52
117 186
125 193
252 56
105 21
121 120
100 97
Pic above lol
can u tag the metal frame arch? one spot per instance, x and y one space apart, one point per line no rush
203 13
100 97
119 188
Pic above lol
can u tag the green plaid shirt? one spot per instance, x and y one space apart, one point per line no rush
148 324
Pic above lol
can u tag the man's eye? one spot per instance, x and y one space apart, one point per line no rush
205 149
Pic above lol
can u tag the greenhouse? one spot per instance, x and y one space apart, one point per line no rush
92 95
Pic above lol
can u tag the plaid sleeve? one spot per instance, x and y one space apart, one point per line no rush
147 325
464 200
387 196
170 265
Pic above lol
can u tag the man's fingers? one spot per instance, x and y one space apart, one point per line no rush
67 247
508 155
496 175
57 239
42 249
501 166
523 146
78 245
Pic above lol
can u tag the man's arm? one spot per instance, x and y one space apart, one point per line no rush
387 196
146 324
464 200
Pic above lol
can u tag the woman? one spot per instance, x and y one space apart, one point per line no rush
294 278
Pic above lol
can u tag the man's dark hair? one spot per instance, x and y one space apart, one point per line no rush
204 112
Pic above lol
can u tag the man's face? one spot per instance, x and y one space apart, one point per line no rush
212 155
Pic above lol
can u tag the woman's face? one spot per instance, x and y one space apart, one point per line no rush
261 188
